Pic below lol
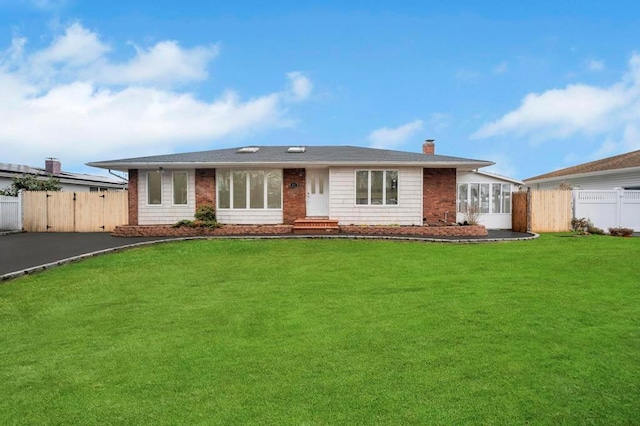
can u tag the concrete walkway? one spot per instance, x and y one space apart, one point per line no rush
26 252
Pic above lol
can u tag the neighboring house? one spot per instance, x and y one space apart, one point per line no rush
280 184
68 181
489 194
620 171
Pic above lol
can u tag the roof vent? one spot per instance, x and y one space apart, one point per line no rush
296 149
248 149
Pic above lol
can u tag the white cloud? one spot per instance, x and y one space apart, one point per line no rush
78 46
386 137
468 76
300 87
69 100
576 110
501 68
595 65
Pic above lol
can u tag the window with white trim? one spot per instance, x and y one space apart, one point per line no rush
377 187
484 197
180 188
249 189
154 188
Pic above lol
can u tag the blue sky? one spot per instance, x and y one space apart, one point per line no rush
534 87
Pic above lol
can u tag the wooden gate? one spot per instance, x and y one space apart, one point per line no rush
541 211
519 212
74 211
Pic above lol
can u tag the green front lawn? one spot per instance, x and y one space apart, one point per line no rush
314 332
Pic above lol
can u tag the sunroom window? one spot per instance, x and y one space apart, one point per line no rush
377 187
249 189
484 197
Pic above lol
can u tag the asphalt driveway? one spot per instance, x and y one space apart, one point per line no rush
31 252
28 250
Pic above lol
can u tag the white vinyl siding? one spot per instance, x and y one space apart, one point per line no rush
250 216
597 181
166 212
343 207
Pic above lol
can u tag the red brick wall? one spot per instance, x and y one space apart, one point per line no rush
169 231
439 196
294 200
205 187
133 196
422 231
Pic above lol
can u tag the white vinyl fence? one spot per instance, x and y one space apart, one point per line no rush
10 213
608 209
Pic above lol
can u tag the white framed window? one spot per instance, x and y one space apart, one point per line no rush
484 197
249 189
180 188
376 187
154 188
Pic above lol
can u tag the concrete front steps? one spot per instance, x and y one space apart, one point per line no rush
315 226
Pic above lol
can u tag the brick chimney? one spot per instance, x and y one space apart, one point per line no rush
52 166
429 147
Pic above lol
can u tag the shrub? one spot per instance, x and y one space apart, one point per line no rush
206 213
205 217
620 232
472 216
183 222
595 230
28 182
581 226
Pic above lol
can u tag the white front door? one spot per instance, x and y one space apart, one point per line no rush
318 192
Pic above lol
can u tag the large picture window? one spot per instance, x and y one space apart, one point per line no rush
484 197
154 188
377 187
249 189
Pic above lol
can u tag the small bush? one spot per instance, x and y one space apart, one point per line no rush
205 217
205 213
595 230
184 222
472 215
620 232
581 226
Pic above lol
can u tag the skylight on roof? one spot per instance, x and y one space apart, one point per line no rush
296 149
248 149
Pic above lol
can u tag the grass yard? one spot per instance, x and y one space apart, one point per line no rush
315 332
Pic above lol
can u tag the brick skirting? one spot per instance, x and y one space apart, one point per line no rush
423 231
168 231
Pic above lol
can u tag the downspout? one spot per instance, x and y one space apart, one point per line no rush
126 181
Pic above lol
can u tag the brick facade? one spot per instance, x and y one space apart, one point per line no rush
205 187
294 195
439 196
133 196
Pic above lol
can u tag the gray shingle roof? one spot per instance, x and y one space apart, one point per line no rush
10 170
622 161
278 155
